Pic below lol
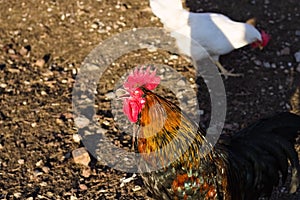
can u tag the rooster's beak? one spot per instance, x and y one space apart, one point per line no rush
121 94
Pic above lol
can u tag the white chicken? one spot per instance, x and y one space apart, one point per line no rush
216 33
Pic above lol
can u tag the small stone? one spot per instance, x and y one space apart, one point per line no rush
273 65
50 194
21 161
3 85
33 124
173 57
82 122
76 138
95 26
257 62
18 194
136 188
59 121
11 51
64 81
43 184
86 172
24 51
298 68
83 187
67 115
39 163
40 63
285 51
106 123
266 64
297 32
181 83
73 198
297 56
81 156
46 169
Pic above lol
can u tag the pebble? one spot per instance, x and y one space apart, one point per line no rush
3 85
46 169
81 156
24 50
273 65
285 51
136 188
181 83
173 57
50 194
83 187
257 62
81 122
266 64
298 68
64 81
21 161
40 63
73 198
297 32
43 184
33 124
39 163
76 138
18 194
11 51
297 56
106 123
86 172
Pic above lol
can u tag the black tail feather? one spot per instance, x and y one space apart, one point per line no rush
259 153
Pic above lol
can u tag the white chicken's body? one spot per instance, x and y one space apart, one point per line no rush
216 33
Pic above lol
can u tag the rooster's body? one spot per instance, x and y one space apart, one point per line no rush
181 164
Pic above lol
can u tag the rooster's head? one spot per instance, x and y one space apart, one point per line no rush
138 79
265 38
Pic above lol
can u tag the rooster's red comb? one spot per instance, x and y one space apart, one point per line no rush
265 38
142 77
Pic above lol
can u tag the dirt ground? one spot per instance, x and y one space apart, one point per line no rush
42 46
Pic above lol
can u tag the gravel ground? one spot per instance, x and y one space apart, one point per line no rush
42 47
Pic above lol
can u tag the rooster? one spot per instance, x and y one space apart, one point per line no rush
213 32
181 164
